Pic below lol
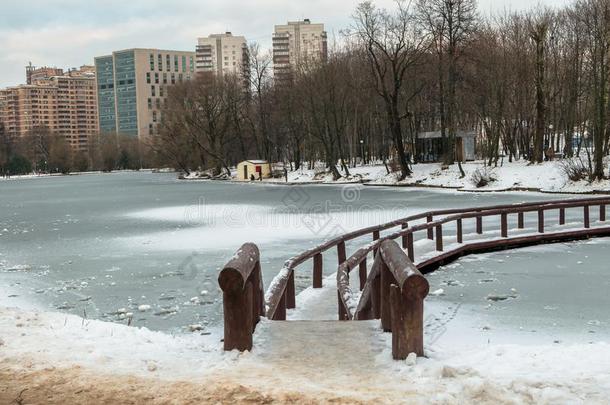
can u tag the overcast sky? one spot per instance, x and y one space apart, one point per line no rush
70 33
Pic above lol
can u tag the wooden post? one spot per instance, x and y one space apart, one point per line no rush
317 271
504 225
460 238
540 221
410 250
237 321
602 212
341 252
258 298
362 273
521 220
399 325
386 280
342 311
375 237
562 216
290 292
413 307
280 312
439 238
376 297
429 219
586 215
405 242
479 225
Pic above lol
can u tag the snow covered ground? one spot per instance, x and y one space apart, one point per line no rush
520 175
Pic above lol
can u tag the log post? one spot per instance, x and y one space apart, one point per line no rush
410 249
562 216
586 215
280 312
429 219
290 292
413 304
602 212
342 311
237 320
460 237
317 271
258 295
399 324
521 220
439 238
479 225
376 297
405 242
341 252
540 221
386 282
504 225
362 273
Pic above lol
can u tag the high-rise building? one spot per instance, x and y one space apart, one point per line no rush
222 54
132 87
296 46
66 104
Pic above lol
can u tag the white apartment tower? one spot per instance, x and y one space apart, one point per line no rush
222 54
297 45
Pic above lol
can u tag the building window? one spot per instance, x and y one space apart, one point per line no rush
168 63
164 78
154 115
160 91
156 78
173 78
192 64
152 62
180 77
176 63
152 90
148 77
183 63
159 62
150 103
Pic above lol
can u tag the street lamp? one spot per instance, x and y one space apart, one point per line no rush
362 151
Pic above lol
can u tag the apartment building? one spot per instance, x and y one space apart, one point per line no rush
132 87
222 54
297 45
65 103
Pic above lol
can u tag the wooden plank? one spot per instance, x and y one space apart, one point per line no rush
540 221
410 248
386 281
602 212
280 312
405 241
429 219
504 225
521 220
480 225
460 237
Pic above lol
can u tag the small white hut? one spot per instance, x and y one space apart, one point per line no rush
253 170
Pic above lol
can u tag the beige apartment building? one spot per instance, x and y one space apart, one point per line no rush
65 103
297 45
222 54
132 88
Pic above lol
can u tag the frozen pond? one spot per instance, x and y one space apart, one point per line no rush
102 245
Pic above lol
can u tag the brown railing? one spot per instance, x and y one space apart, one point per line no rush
281 293
243 300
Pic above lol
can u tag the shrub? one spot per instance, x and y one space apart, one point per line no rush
575 169
483 176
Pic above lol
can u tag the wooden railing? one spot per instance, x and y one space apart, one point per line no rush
243 300
281 293
373 302
395 292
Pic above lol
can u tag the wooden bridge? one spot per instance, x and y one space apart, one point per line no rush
394 288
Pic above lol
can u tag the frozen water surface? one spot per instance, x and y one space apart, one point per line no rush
109 246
